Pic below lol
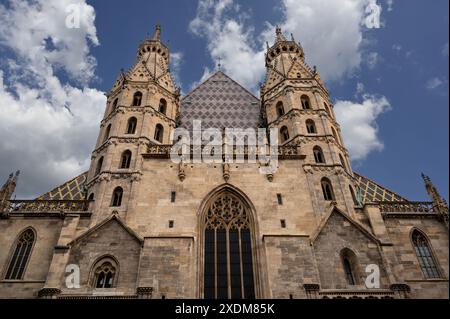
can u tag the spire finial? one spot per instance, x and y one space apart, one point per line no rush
219 65
157 34
279 34
439 203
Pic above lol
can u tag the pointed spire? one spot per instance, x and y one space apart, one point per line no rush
280 35
439 203
7 190
157 34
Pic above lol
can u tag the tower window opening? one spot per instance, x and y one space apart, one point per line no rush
318 155
98 169
327 189
163 106
117 197
280 109
159 133
311 127
137 99
306 104
284 132
132 124
126 160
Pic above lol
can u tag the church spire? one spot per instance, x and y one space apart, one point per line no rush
280 35
7 190
157 34
439 203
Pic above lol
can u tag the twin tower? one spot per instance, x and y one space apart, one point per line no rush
144 108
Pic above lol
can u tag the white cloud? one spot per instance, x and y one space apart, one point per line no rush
176 60
434 83
331 32
390 4
48 126
359 126
445 50
372 60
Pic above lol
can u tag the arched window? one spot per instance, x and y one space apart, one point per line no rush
318 155
306 104
163 106
335 135
425 255
21 255
280 109
91 196
159 133
327 189
114 105
354 198
117 197
125 161
98 169
228 253
131 127
350 265
105 273
284 132
137 99
341 159
327 108
107 133
311 127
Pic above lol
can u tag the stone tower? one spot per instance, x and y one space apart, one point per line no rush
142 108
295 100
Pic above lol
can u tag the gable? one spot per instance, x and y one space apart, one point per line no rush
220 102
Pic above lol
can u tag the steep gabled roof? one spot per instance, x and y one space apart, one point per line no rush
220 102
336 210
112 218
373 192
71 190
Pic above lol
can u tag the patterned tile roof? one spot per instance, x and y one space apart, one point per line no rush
220 102
71 190
373 192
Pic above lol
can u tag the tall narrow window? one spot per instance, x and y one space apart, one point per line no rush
126 159
280 109
306 104
352 192
284 132
311 127
114 105
425 255
341 159
137 99
327 189
350 265
159 133
107 133
21 256
104 274
163 106
116 200
318 155
98 169
131 127
228 271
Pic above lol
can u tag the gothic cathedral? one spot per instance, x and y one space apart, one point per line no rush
139 225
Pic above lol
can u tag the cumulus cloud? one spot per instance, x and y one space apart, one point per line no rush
176 60
359 126
434 83
331 32
390 5
48 125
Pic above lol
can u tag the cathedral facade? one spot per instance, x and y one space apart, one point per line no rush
140 225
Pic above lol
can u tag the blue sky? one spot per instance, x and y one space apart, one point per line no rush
388 82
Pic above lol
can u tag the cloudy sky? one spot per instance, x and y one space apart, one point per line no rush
385 63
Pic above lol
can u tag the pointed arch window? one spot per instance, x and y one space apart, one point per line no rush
228 264
306 104
21 255
318 155
284 132
107 133
114 105
125 161
91 196
98 169
350 265
425 255
327 189
131 126
105 274
117 197
137 99
159 133
280 109
163 106
311 127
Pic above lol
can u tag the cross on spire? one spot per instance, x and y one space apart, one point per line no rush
219 65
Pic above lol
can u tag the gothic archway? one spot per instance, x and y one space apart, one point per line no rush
229 262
